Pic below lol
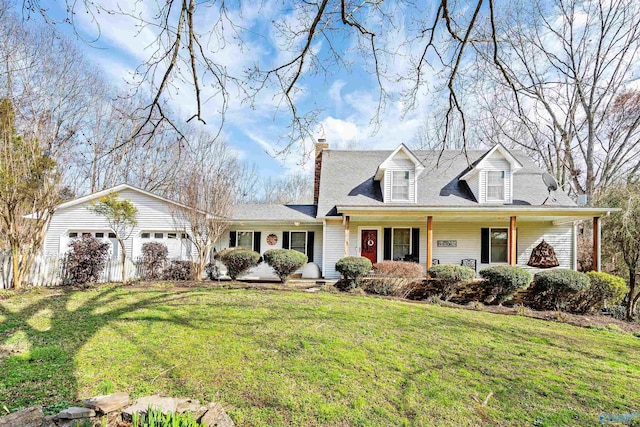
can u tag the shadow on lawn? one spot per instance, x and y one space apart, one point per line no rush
50 332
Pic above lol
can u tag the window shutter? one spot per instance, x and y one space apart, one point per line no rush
415 244
285 240
310 238
484 248
256 241
232 239
387 244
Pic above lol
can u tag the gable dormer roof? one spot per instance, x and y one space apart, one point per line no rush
419 167
481 162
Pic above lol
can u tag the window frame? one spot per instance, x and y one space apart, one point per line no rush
491 246
238 238
406 173
306 240
504 186
393 233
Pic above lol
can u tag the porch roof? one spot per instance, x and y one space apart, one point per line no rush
556 214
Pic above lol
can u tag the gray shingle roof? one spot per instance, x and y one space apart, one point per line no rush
347 179
258 212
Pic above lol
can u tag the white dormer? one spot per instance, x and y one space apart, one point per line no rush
398 176
491 179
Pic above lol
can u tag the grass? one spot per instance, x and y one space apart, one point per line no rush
276 358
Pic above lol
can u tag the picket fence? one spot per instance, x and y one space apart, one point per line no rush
50 271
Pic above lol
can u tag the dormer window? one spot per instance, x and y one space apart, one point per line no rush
495 186
400 185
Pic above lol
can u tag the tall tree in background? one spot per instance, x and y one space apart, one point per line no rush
294 188
29 192
561 87
207 194
621 234
121 216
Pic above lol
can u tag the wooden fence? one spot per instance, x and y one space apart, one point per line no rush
50 271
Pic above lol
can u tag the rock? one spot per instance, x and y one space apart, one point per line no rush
107 403
216 417
311 271
75 412
188 406
30 417
165 404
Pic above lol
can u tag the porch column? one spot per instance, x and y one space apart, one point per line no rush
596 244
513 254
346 236
429 241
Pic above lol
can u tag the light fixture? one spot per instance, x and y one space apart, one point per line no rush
296 223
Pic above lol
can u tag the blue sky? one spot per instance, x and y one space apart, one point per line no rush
347 99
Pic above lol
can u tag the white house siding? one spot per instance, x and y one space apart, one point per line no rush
466 235
496 162
263 271
474 186
530 234
400 162
154 215
334 247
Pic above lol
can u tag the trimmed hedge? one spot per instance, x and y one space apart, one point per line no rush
179 270
284 261
604 289
86 260
449 277
353 268
238 260
558 289
396 278
503 281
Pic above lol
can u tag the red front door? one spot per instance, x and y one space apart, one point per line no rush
369 245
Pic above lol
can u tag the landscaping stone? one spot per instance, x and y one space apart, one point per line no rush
216 417
188 406
75 412
30 417
107 403
165 404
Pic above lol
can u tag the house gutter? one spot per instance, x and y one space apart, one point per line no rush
478 210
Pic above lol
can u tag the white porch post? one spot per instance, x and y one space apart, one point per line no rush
346 235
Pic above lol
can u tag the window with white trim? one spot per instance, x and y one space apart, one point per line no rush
298 241
400 185
245 239
401 243
495 186
499 243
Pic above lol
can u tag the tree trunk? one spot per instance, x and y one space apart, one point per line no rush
123 259
15 266
632 293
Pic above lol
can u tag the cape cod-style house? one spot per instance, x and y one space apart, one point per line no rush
481 208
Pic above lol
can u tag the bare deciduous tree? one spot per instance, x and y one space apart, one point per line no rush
560 90
357 36
207 194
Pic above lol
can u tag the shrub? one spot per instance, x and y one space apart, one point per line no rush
448 278
238 260
284 261
178 270
618 312
212 270
558 289
154 259
353 268
503 281
604 289
86 260
396 278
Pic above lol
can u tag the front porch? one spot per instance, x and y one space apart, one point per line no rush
475 239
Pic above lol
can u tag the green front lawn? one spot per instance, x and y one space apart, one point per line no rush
293 358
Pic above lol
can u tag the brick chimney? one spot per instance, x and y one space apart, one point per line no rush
321 145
